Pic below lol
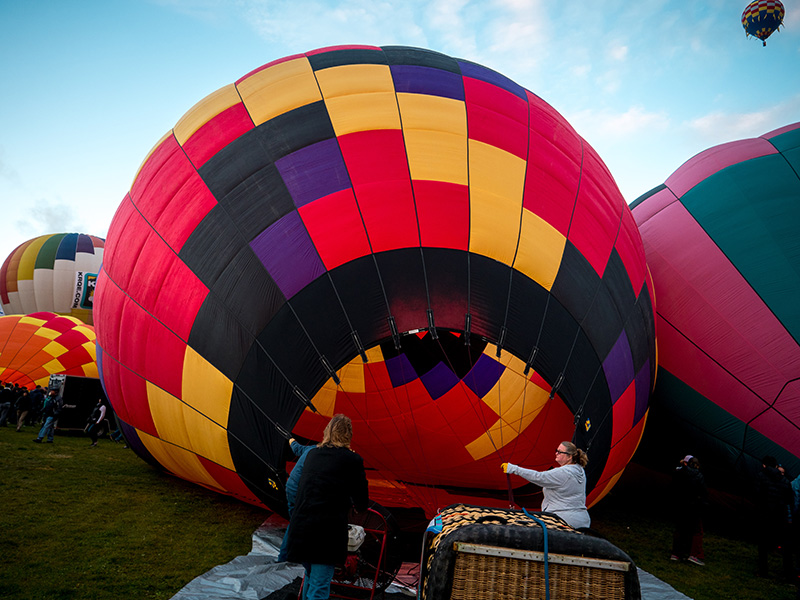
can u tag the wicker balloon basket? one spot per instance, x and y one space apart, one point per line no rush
475 553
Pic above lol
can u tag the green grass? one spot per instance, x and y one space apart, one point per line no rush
81 523
97 524
637 516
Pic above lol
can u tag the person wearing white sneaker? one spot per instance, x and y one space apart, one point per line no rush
96 425
690 497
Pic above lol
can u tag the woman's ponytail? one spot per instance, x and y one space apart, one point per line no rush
578 456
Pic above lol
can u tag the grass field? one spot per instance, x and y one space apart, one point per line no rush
96 524
100 523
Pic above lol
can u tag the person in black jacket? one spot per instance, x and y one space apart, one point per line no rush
37 401
333 480
23 406
8 398
773 499
691 497
51 410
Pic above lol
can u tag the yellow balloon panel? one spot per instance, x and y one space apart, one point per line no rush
278 89
204 111
185 427
203 385
179 461
541 248
497 179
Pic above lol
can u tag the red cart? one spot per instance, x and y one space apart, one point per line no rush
370 569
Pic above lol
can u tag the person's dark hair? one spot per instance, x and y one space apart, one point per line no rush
769 461
338 432
577 456
694 463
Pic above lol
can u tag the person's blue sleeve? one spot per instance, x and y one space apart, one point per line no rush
299 449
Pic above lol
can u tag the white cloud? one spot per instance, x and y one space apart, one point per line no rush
791 19
610 82
444 14
48 217
302 26
596 124
718 127
448 21
521 16
522 6
7 173
618 52
209 11
512 37
580 70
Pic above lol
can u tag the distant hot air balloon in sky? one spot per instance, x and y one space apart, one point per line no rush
721 237
33 347
762 18
53 273
409 238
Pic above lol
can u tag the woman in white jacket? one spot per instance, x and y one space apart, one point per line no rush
564 487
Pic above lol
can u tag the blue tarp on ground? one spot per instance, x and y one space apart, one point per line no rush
257 576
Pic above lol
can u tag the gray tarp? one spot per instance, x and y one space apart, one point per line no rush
655 589
256 575
250 577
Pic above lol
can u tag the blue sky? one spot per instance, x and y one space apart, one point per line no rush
89 87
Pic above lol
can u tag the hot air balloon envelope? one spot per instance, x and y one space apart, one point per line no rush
762 18
409 238
33 347
721 242
52 273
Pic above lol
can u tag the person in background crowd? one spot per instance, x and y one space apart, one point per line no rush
116 432
97 422
51 411
37 401
796 530
7 399
690 500
23 407
773 498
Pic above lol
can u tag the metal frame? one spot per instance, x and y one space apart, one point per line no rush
378 534
560 559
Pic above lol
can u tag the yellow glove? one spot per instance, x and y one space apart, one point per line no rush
504 466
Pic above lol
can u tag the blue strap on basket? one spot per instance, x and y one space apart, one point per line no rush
544 537
546 570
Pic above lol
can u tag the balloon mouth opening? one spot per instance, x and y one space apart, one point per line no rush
427 347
